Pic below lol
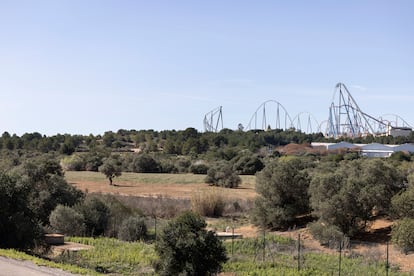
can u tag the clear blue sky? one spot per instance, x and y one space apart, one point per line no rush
84 66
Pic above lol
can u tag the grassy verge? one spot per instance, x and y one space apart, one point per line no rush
18 255
113 256
245 258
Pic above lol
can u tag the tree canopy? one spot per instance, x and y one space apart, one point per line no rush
185 247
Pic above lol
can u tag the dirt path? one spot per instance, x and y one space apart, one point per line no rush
11 267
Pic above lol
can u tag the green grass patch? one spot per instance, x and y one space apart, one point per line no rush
281 259
18 255
114 256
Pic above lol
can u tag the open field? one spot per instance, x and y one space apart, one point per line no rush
156 184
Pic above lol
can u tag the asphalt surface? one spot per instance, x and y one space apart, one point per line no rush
11 267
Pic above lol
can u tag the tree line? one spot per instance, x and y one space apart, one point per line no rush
340 198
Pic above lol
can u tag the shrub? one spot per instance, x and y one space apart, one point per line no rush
186 248
223 176
118 213
96 215
209 203
199 169
67 221
132 229
403 234
144 163
73 162
248 164
402 204
326 234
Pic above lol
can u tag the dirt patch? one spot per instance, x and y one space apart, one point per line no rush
57 250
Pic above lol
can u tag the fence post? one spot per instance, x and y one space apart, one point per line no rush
298 251
155 227
264 244
340 258
232 240
387 264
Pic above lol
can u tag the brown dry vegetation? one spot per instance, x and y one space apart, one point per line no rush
153 185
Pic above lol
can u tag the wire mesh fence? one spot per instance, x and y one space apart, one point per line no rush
339 257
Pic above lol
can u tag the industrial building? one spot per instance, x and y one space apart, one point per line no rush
368 150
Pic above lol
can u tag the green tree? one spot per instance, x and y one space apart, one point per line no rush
402 204
403 234
248 164
349 196
66 220
48 188
144 163
282 187
223 175
19 227
96 215
111 168
186 248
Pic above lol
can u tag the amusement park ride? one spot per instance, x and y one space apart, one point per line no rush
346 119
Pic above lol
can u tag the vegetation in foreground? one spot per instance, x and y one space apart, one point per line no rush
245 258
35 198
19 255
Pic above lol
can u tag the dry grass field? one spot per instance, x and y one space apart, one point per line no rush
156 184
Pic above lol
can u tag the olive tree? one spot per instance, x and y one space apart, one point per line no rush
185 247
351 195
111 168
283 193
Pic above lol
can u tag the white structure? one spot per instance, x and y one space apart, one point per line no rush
377 150
368 150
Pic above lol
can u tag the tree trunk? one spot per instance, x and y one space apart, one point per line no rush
110 180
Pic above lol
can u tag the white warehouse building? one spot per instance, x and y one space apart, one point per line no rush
368 150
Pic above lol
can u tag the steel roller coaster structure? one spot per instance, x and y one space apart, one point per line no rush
346 119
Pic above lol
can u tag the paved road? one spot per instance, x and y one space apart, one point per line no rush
10 267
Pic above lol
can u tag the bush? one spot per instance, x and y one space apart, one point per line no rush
402 204
248 164
67 221
199 169
144 163
223 176
186 248
73 162
210 204
326 234
118 213
96 215
403 234
132 229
